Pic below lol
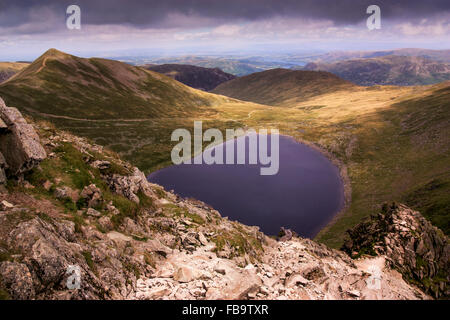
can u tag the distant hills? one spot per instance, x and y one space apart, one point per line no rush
238 66
281 86
334 56
8 69
196 77
61 84
387 70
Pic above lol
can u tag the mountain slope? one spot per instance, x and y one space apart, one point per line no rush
387 70
61 84
193 76
281 86
129 109
8 69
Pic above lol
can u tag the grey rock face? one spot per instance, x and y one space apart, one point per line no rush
130 186
19 142
420 251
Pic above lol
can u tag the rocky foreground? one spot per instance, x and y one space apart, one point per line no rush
67 203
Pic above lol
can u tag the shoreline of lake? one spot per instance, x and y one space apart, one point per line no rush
318 170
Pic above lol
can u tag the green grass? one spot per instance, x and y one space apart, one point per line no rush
89 261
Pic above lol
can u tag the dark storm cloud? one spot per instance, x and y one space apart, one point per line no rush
143 13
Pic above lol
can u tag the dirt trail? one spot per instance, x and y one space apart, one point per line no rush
42 114
43 65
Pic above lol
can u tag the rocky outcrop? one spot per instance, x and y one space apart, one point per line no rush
19 143
130 186
420 251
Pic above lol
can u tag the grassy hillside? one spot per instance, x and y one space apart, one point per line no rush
129 109
99 89
193 76
8 69
387 70
281 86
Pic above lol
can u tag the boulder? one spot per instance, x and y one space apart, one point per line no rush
20 144
101 164
92 195
5 205
184 274
295 279
93 213
17 279
285 234
130 186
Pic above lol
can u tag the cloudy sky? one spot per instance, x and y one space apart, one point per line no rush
119 27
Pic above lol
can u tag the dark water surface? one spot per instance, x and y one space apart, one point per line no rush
304 196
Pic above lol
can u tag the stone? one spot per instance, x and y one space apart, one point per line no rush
285 234
202 239
17 278
3 126
101 164
20 145
93 213
47 185
92 195
130 186
61 193
5 205
105 222
164 270
220 269
190 241
354 293
112 209
295 279
154 245
184 274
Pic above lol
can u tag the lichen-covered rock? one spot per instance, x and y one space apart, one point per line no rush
92 195
17 279
419 250
20 144
130 186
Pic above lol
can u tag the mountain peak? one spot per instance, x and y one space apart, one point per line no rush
52 52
